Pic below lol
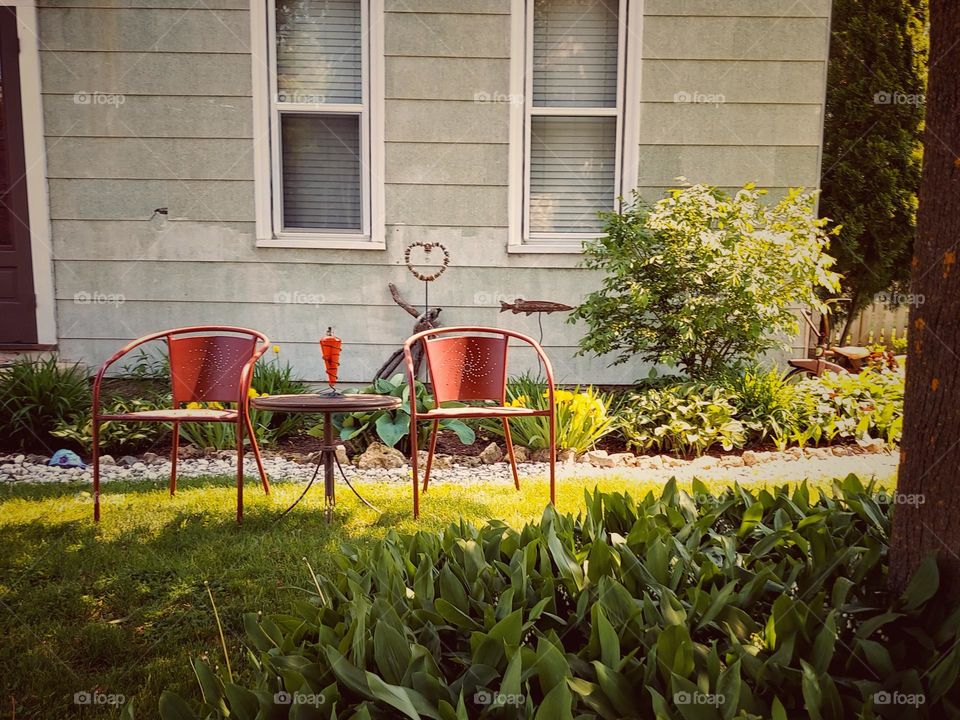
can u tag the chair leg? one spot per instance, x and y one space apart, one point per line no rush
239 470
413 466
256 454
553 458
96 471
433 447
513 458
173 458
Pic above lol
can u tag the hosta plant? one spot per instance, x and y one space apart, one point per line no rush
392 427
865 406
582 416
688 605
687 419
116 437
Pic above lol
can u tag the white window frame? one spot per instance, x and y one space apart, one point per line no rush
627 113
268 171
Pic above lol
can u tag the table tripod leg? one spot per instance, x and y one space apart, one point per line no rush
350 485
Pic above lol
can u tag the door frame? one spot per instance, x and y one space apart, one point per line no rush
35 156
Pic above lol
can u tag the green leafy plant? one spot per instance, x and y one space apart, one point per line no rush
116 437
702 280
270 377
582 416
686 605
840 405
35 397
765 403
688 419
392 427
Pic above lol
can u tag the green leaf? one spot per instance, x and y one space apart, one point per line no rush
392 429
751 518
569 568
243 703
173 707
391 650
923 585
609 640
454 615
556 704
464 432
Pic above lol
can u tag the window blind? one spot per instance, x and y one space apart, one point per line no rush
321 171
319 57
575 45
572 172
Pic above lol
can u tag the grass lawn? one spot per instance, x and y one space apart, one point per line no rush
121 608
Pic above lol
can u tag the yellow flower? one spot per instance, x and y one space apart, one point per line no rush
519 401
194 406
251 393
276 349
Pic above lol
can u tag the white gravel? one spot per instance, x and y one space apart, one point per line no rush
767 466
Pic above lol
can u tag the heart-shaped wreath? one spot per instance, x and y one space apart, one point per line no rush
428 248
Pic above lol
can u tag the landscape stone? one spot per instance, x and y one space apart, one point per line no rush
379 455
491 454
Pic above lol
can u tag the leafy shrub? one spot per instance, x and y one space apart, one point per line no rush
116 437
702 279
766 404
582 416
757 406
36 396
688 419
392 427
861 407
769 605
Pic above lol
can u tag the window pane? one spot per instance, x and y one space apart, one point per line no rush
572 172
319 55
321 171
575 53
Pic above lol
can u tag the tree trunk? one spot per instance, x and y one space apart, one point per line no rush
927 515
852 314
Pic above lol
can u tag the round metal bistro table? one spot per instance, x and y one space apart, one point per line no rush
327 405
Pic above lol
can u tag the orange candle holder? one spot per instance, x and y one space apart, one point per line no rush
330 347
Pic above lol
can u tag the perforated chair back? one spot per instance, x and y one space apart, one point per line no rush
467 367
208 368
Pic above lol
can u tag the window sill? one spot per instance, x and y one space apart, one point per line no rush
321 242
566 248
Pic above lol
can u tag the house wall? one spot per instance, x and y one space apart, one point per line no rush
179 135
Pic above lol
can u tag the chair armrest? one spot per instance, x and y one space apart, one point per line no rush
98 380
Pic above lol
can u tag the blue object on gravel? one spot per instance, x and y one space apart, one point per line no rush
67 459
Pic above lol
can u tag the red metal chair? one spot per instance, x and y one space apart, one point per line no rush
206 365
470 366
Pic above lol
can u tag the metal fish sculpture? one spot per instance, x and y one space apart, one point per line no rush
533 306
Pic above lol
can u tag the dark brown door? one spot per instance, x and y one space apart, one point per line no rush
18 321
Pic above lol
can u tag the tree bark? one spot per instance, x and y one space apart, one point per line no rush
926 517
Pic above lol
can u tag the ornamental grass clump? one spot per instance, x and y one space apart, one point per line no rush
583 416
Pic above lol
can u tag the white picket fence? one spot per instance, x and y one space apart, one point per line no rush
877 323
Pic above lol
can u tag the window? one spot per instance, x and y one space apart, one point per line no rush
573 59
324 142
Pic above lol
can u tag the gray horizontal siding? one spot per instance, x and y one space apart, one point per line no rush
447 35
150 158
718 165
679 123
150 116
411 78
735 38
146 73
197 30
740 8
771 81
